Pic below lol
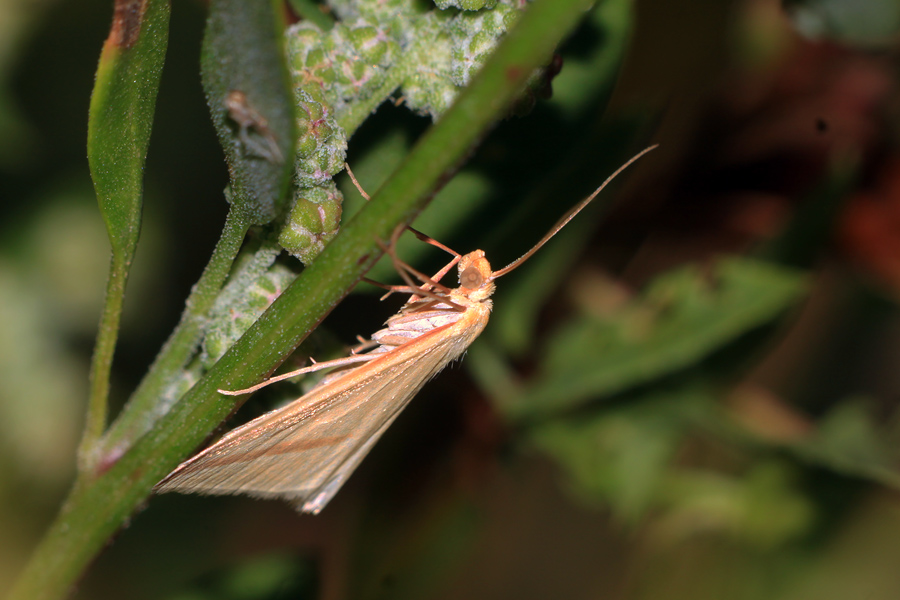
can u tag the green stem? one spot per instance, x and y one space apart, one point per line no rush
148 402
101 362
96 509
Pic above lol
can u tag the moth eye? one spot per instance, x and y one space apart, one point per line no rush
471 278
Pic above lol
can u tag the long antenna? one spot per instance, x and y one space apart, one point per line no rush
569 216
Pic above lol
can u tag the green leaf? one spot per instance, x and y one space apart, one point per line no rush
591 73
848 440
120 120
763 506
620 456
277 575
308 10
800 243
864 22
684 316
624 456
121 115
247 87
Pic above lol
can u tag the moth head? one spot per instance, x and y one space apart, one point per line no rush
475 276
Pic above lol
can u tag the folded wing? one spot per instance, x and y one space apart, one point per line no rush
303 452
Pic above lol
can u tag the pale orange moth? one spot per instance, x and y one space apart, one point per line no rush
306 450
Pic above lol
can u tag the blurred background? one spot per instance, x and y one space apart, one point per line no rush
691 393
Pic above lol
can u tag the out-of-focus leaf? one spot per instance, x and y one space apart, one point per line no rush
620 456
849 441
801 242
864 22
121 115
33 443
417 550
247 87
587 76
762 507
276 577
311 11
681 318
857 559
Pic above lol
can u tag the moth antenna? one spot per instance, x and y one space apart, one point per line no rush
569 216
430 240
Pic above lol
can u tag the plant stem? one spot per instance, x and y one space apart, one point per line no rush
147 404
96 509
101 361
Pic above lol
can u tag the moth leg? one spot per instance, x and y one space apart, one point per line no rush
430 240
424 290
363 345
316 366
431 282
399 289
426 280
446 269
356 184
422 236
413 291
402 268
405 270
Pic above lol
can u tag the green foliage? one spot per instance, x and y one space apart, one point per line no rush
275 577
624 457
474 35
679 320
345 65
121 118
866 22
621 456
848 440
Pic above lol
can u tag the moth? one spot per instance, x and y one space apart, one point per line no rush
306 450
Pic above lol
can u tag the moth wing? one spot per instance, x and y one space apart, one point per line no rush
303 452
